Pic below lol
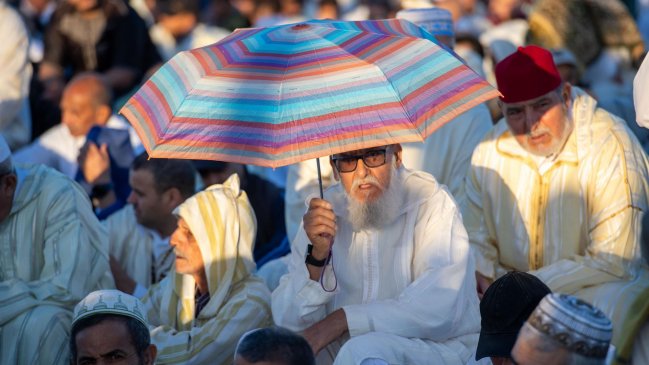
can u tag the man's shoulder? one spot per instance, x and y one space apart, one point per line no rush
46 184
490 140
604 131
54 138
122 220
421 187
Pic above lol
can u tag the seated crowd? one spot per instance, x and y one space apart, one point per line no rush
517 242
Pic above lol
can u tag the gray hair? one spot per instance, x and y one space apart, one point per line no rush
275 344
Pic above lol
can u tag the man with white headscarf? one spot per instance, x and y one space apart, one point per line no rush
53 251
210 298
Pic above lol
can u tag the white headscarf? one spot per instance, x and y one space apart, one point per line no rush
641 94
224 226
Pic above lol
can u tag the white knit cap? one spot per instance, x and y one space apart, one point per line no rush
575 324
109 301
436 21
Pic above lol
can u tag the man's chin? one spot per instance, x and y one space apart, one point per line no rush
366 195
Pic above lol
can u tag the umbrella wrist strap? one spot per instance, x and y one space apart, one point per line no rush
333 271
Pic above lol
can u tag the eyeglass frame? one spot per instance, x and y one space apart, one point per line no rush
355 158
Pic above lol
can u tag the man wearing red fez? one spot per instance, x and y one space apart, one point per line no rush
558 188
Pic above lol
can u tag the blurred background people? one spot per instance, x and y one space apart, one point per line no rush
86 103
105 36
177 28
15 76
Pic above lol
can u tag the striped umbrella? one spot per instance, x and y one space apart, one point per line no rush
279 95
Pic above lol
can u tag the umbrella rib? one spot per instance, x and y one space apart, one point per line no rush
382 73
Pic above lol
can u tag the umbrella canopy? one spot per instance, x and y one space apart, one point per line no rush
280 95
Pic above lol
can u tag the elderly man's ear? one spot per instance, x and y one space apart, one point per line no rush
566 94
172 198
334 169
149 355
397 154
103 114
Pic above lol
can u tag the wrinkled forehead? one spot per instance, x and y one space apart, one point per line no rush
360 152
552 96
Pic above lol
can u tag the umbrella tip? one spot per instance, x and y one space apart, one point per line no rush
301 26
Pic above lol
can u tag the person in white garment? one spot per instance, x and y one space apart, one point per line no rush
139 233
86 102
446 154
53 251
404 283
15 118
559 188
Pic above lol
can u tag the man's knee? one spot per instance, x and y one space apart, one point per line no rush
39 336
365 349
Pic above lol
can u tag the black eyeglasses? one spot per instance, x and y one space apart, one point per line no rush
371 158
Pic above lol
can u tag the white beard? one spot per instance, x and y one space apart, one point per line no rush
380 212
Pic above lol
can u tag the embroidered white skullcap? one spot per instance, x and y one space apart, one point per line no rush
641 94
5 152
109 301
575 324
436 21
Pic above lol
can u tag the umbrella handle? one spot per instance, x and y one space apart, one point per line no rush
317 161
333 270
330 256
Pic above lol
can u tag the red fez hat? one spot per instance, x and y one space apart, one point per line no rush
527 74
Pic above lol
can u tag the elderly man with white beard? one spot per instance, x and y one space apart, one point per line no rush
404 286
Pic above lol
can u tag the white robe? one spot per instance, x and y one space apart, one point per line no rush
15 74
53 251
222 221
575 222
446 154
408 290
58 149
145 256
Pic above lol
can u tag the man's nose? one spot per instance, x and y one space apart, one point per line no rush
361 169
531 119
131 198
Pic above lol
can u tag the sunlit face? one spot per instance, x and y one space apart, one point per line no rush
366 184
530 352
150 206
107 342
541 125
189 260
78 111
84 5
